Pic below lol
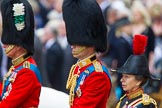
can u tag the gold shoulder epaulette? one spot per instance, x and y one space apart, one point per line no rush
97 66
153 101
146 100
26 64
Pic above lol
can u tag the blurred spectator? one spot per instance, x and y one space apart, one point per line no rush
62 39
120 7
45 7
156 15
110 15
142 25
36 9
56 13
148 3
38 54
118 10
124 47
103 4
124 35
53 55
40 35
157 94
69 60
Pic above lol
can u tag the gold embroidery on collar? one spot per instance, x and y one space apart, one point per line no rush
85 61
19 60
97 66
135 94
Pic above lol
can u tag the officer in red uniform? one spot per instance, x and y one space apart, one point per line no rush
22 83
89 80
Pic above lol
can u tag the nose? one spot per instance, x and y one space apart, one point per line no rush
122 79
73 46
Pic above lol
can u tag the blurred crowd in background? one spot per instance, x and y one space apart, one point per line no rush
124 18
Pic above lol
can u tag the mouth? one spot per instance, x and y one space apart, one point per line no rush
75 52
123 86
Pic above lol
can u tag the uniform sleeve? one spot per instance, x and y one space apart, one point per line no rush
97 89
22 88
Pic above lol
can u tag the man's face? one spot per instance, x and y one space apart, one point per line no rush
10 50
82 52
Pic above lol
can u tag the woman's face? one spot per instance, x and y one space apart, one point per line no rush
129 83
137 16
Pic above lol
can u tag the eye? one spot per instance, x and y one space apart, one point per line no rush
126 76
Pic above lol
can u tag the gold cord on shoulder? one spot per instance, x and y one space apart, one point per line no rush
72 79
72 89
7 75
118 104
68 84
71 84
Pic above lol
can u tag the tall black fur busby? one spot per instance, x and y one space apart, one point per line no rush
85 24
137 63
18 24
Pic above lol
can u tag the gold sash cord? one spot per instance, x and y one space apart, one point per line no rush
71 83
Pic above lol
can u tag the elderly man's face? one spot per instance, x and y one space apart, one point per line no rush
82 52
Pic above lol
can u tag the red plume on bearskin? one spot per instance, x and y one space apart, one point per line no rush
139 44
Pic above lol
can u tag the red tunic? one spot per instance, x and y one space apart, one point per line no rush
95 90
0 87
24 90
